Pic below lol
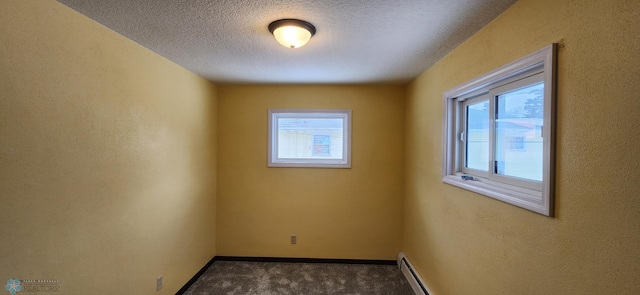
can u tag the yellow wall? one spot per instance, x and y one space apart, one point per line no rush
464 243
108 163
107 157
336 213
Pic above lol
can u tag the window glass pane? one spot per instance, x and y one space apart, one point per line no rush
308 138
518 126
477 136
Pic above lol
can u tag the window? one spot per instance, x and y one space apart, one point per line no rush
309 138
499 133
321 145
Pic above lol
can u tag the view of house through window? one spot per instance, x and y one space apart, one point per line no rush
322 145
518 120
309 138
477 136
519 117
300 138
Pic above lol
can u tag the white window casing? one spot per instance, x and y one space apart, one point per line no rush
532 194
311 138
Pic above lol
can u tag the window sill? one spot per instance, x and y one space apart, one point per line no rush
521 197
295 164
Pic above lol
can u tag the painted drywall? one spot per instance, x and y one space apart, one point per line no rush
336 213
464 243
107 157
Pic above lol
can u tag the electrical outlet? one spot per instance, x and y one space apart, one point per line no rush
294 239
159 283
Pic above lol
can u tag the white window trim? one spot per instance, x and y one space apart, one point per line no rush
272 157
537 201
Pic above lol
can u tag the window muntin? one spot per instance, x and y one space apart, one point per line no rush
309 138
519 168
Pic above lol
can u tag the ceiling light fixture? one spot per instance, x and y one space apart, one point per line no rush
292 33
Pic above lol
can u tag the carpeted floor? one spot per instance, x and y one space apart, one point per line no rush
271 278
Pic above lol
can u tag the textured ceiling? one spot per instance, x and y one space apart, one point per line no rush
357 41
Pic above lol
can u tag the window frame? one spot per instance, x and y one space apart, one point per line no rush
539 200
529 78
464 125
272 157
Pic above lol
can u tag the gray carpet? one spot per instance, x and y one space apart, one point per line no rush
271 278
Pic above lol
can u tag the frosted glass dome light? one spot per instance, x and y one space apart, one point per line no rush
292 33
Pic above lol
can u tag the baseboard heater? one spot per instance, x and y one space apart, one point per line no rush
416 283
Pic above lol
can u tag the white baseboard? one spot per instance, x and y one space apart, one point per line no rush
412 276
